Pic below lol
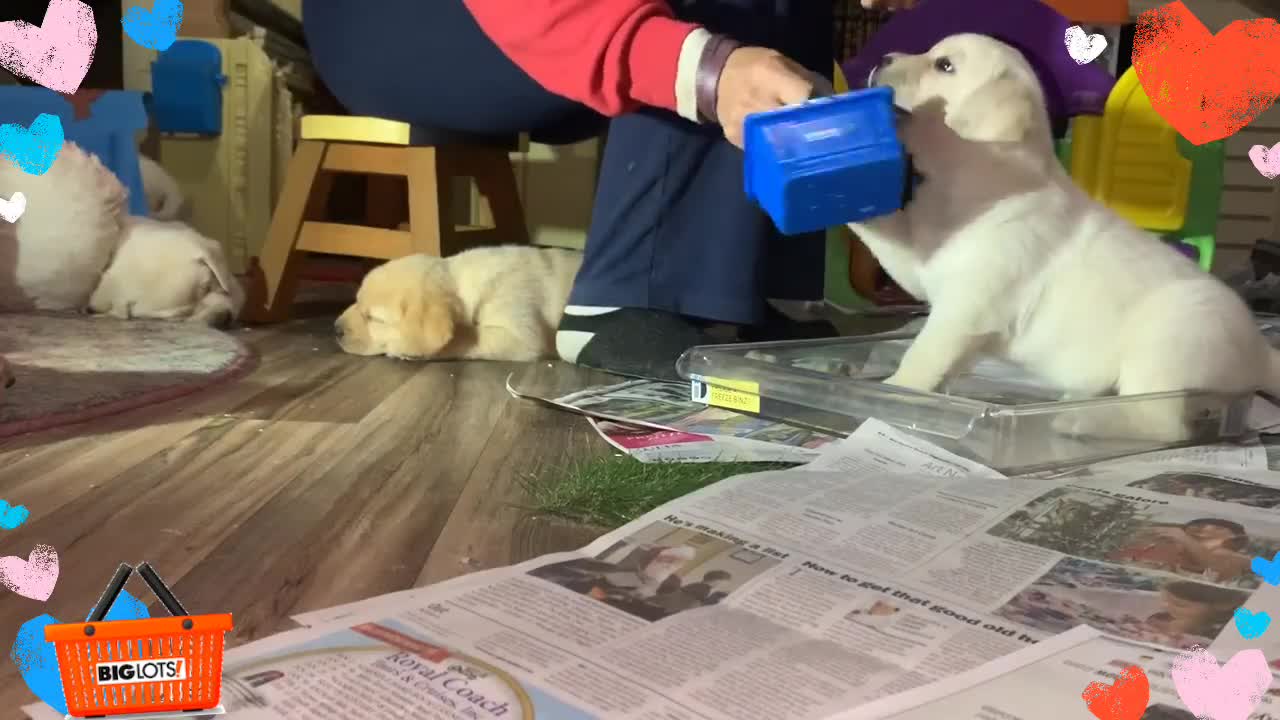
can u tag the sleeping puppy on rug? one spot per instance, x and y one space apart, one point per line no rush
495 303
168 271
1016 261
76 248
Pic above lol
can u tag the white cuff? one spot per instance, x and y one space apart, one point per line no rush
687 73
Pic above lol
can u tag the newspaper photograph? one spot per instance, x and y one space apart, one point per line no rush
884 566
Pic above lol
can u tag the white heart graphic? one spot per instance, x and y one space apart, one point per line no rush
1084 48
13 208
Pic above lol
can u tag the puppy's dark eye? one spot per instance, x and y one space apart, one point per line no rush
943 65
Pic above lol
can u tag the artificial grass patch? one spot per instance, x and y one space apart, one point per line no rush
612 491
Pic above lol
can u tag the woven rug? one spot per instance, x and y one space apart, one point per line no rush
73 368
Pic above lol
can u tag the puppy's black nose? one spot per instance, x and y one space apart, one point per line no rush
885 61
337 329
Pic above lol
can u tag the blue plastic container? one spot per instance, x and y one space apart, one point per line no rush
828 162
110 131
186 89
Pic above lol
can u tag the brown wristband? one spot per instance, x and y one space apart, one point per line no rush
707 81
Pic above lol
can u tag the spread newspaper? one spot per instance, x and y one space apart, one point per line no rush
1023 685
873 582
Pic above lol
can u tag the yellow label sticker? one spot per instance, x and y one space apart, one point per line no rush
740 395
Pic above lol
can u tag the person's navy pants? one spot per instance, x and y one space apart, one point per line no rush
671 228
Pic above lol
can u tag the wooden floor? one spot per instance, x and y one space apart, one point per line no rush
319 479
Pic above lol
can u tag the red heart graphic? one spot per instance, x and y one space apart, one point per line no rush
1206 86
1125 700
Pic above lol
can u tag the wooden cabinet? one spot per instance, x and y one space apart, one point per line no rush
558 186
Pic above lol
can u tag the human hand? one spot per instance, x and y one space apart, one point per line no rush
755 79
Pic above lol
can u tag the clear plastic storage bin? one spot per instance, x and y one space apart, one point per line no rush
996 414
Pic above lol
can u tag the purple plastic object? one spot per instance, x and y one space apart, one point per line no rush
1190 251
1034 28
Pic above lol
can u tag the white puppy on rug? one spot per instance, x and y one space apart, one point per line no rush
76 248
1016 261
494 303
166 270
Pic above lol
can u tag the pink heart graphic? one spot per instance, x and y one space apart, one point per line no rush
1227 692
1267 161
34 577
58 53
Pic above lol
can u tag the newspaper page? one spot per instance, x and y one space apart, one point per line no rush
1258 451
1016 687
659 422
884 566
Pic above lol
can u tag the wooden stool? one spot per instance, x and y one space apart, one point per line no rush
427 159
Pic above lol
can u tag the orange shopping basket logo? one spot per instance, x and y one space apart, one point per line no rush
117 667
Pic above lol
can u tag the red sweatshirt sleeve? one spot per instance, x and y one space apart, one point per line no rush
611 55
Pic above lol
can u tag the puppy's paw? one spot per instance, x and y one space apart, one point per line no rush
1073 423
906 380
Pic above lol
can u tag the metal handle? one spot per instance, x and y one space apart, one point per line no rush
117 582
112 592
161 590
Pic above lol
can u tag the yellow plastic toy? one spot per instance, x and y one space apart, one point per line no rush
1135 163
1128 160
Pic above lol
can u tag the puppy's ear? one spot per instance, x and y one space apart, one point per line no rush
212 256
1002 110
430 319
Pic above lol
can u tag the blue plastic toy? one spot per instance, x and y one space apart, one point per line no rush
109 132
186 89
828 162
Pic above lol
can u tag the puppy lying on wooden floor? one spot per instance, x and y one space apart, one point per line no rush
494 303
1017 261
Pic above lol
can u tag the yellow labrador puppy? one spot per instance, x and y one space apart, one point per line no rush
495 303
1016 261
168 271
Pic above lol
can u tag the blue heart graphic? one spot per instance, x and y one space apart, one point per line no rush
33 149
37 661
12 517
1268 570
154 29
1250 624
